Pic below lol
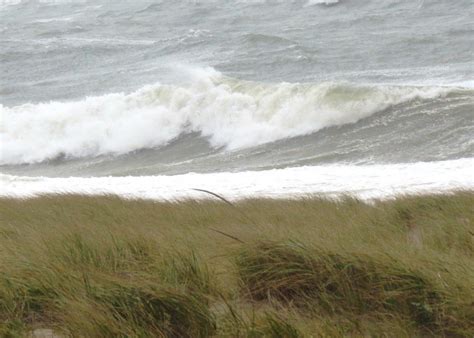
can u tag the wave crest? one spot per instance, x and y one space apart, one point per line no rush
322 2
231 113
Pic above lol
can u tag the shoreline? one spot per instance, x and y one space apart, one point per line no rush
362 181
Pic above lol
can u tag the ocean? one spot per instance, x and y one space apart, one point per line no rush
243 98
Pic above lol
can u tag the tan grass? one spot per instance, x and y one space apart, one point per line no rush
103 267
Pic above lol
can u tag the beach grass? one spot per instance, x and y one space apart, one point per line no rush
103 266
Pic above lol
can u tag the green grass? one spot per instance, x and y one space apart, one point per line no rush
106 267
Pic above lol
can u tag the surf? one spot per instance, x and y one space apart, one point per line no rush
362 181
230 113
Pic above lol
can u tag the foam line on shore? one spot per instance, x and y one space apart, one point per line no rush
368 181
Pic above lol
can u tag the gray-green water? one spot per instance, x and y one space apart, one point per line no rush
94 88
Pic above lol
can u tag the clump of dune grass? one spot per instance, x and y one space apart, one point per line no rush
108 306
102 266
166 312
346 284
102 283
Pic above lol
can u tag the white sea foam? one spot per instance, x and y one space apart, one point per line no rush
69 18
319 2
374 181
230 113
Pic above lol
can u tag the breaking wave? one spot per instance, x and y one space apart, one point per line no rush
230 113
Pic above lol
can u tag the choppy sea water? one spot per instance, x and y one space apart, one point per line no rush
244 98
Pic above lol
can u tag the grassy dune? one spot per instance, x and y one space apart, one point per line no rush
107 267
